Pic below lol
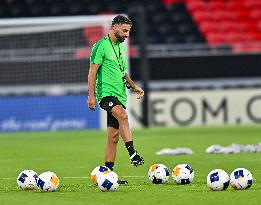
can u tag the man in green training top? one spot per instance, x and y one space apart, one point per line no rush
107 73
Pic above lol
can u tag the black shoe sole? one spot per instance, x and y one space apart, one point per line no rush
122 182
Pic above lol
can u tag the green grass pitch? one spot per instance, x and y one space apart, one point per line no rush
72 155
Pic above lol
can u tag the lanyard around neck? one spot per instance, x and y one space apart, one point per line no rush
117 56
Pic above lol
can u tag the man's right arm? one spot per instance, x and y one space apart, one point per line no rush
91 102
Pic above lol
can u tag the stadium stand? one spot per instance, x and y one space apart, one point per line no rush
168 23
218 22
233 22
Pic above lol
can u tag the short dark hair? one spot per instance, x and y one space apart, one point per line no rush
120 19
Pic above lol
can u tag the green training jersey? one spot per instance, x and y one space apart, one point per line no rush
111 57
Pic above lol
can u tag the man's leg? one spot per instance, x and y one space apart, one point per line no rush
121 115
111 147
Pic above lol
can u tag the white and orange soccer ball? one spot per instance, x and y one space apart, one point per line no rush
183 174
241 178
158 174
27 179
107 181
96 171
48 182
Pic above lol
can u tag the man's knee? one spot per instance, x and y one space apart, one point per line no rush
120 113
123 116
116 139
114 136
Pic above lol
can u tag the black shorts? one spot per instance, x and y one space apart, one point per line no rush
107 103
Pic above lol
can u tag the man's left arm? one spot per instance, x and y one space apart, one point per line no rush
134 86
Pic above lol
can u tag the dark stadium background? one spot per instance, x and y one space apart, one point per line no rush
187 39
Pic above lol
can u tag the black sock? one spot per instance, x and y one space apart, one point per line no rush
130 147
110 165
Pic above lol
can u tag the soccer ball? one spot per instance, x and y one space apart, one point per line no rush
241 178
96 171
27 179
218 179
183 174
107 181
158 174
48 182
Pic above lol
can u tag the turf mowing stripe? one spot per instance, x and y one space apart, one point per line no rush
32 159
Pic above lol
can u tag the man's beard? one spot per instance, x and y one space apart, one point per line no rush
119 38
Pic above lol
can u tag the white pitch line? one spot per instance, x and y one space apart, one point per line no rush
134 176
7 178
89 177
12 178
75 177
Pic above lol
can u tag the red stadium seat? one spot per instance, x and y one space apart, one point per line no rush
241 14
233 5
202 16
247 26
229 26
208 27
253 36
252 4
259 25
255 13
215 5
223 15
236 37
90 31
215 39
234 22
193 6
